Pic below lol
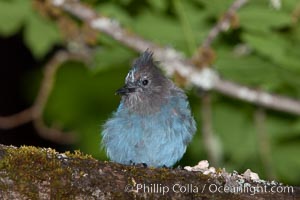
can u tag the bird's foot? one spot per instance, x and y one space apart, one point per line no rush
166 167
144 165
179 167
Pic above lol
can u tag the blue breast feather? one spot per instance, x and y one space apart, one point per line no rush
159 139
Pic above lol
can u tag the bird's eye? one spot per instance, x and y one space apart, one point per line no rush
145 82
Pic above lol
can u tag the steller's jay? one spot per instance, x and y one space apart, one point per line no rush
153 123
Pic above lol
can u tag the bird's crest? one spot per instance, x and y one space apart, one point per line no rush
143 63
145 60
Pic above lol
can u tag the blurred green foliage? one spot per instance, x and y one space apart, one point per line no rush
262 51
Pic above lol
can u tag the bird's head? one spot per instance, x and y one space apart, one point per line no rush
145 85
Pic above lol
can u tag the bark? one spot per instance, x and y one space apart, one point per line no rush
40 173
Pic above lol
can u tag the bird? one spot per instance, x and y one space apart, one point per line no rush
153 124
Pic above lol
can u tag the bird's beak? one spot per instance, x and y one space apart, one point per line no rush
125 90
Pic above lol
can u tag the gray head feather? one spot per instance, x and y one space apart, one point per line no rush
146 88
145 59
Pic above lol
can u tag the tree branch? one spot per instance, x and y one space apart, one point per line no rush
42 173
35 112
259 97
174 61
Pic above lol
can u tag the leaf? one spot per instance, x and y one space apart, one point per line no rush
262 19
215 7
234 123
284 139
279 126
159 5
250 69
234 126
275 48
289 5
193 18
111 57
114 11
125 2
81 101
41 34
160 29
12 15
286 162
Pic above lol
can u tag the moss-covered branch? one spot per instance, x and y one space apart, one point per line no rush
42 173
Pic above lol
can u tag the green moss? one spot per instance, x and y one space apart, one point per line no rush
30 167
78 154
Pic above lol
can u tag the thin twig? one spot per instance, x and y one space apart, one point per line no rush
23 117
53 133
263 141
48 82
224 23
173 61
35 112
209 139
203 59
45 90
